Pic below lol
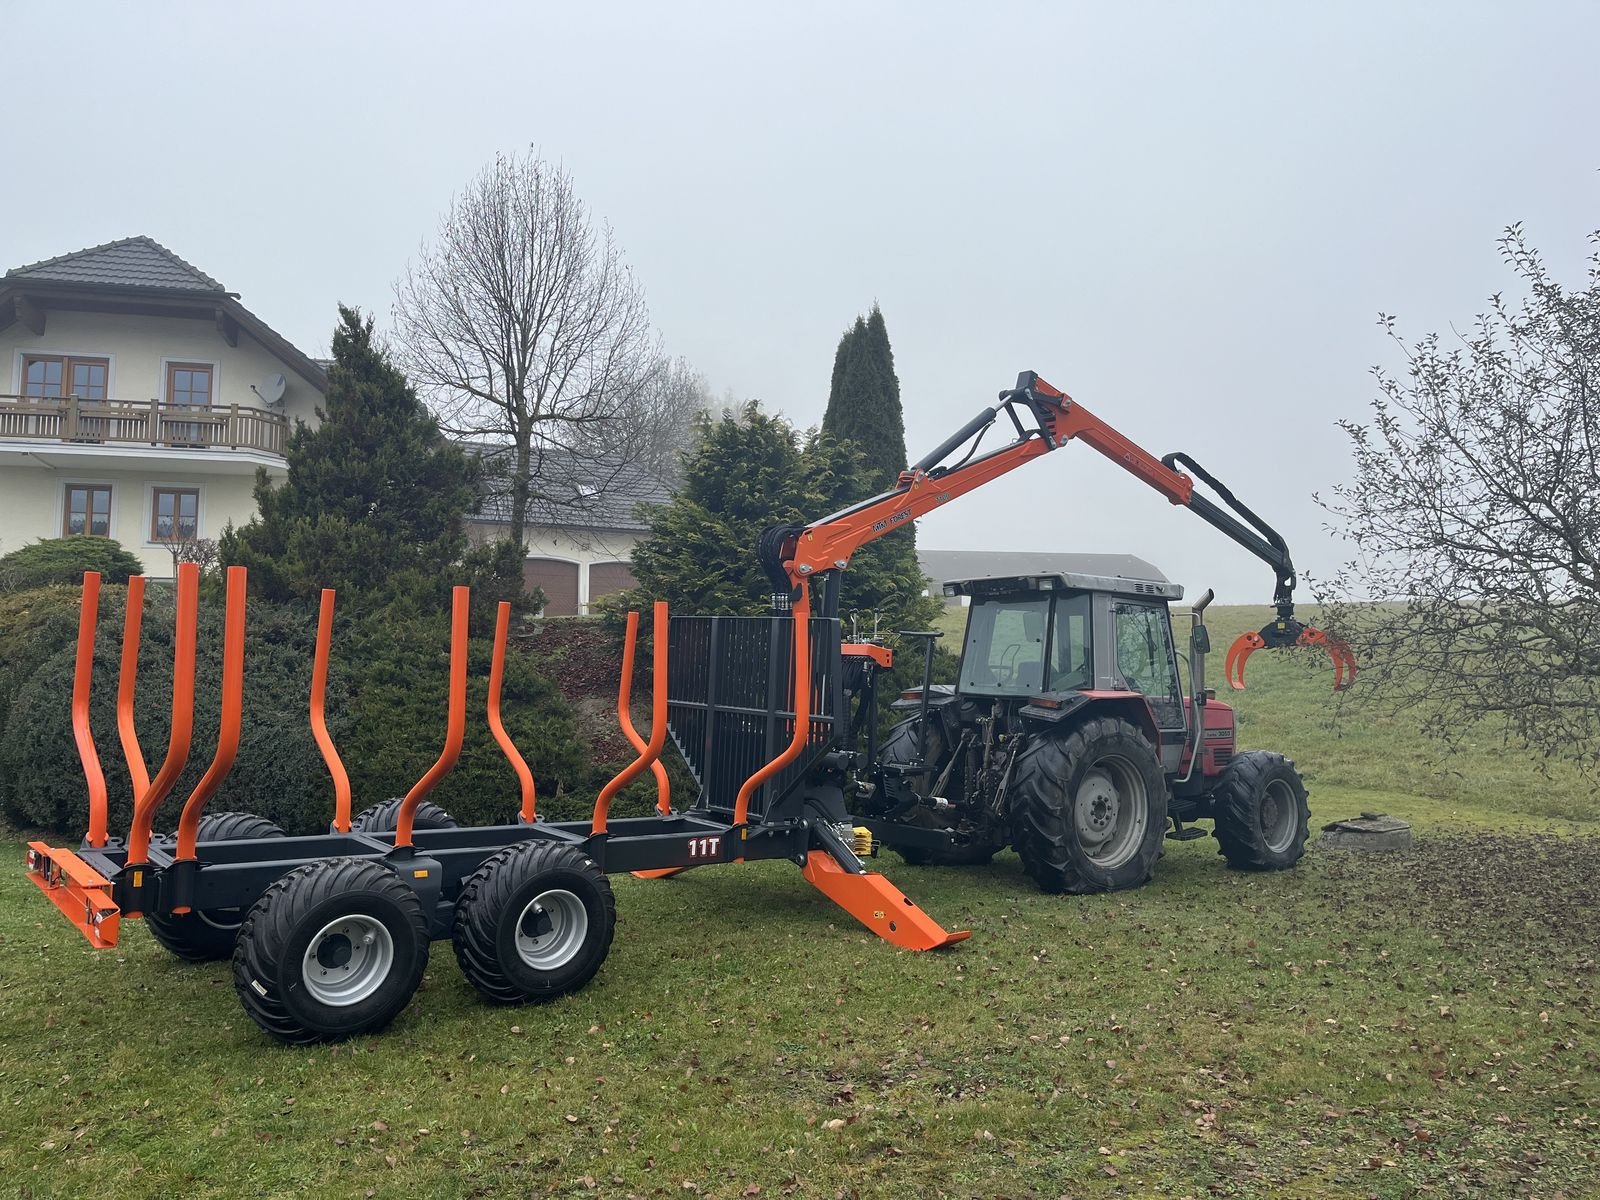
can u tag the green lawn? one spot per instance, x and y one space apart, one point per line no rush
1413 1025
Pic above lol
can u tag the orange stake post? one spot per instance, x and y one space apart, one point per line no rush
456 728
497 674
144 808
801 615
650 752
82 677
319 722
629 731
232 707
132 620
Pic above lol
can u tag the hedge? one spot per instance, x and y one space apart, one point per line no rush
64 560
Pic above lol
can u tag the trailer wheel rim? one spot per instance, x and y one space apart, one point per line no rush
1111 811
348 960
551 929
1279 816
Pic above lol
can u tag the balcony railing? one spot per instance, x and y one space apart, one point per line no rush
141 423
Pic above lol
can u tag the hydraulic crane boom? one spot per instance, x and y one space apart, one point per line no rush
1045 419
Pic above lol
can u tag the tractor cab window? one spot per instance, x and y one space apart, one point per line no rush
1146 663
1070 667
1004 653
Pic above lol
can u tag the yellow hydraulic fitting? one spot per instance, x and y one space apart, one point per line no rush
863 842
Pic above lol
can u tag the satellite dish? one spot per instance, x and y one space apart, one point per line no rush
272 393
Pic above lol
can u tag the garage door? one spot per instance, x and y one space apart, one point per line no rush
607 579
559 581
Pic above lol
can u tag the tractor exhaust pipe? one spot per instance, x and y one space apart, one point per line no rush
1199 647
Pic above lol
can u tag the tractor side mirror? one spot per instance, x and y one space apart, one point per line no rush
1200 639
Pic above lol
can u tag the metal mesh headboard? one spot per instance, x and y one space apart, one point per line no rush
730 702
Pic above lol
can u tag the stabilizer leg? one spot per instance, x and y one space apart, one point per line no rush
878 904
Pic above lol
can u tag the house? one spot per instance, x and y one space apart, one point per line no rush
137 399
583 523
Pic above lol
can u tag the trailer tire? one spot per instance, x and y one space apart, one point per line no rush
382 818
534 922
207 935
334 949
1069 788
900 746
1262 817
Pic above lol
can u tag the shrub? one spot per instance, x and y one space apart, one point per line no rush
64 560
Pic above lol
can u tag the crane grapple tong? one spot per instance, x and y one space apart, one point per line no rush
1282 632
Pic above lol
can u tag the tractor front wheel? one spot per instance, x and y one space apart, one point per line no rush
1089 809
334 949
206 935
534 922
1262 818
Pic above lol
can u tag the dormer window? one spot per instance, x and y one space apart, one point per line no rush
50 375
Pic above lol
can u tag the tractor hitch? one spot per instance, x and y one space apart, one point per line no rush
1280 633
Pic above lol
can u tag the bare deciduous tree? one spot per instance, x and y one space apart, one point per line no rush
1476 508
528 334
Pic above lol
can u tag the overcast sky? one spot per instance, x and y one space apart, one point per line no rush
1186 216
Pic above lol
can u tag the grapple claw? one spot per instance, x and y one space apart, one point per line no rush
1286 631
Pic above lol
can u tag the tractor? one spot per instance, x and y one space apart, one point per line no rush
1068 734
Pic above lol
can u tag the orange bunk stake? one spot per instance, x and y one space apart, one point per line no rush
144 809
650 752
625 718
878 904
232 707
319 722
801 615
82 676
133 618
456 728
497 675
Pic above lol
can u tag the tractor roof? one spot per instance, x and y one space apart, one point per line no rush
1123 574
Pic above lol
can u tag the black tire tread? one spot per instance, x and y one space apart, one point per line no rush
186 935
1041 827
271 922
485 894
384 816
1235 803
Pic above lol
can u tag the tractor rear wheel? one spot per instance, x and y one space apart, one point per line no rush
1262 818
534 922
334 949
382 818
1089 809
206 935
900 746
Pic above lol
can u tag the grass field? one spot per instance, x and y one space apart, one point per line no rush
1390 1026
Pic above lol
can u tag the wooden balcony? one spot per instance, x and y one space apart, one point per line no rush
140 423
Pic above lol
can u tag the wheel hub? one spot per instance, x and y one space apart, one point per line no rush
551 930
1109 812
348 960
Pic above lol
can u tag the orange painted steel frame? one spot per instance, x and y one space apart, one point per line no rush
497 674
801 613
82 676
133 618
232 707
144 808
658 709
460 601
319 720
625 717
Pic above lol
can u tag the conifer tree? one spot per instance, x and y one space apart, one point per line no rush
864 400
375 496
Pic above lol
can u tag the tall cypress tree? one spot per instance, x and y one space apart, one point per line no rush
375 497
864 400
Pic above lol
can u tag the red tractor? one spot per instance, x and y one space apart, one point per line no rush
1068 733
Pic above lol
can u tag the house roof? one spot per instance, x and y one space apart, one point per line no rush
139 274
139 262
578 492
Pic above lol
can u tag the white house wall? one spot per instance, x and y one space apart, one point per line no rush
139 349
